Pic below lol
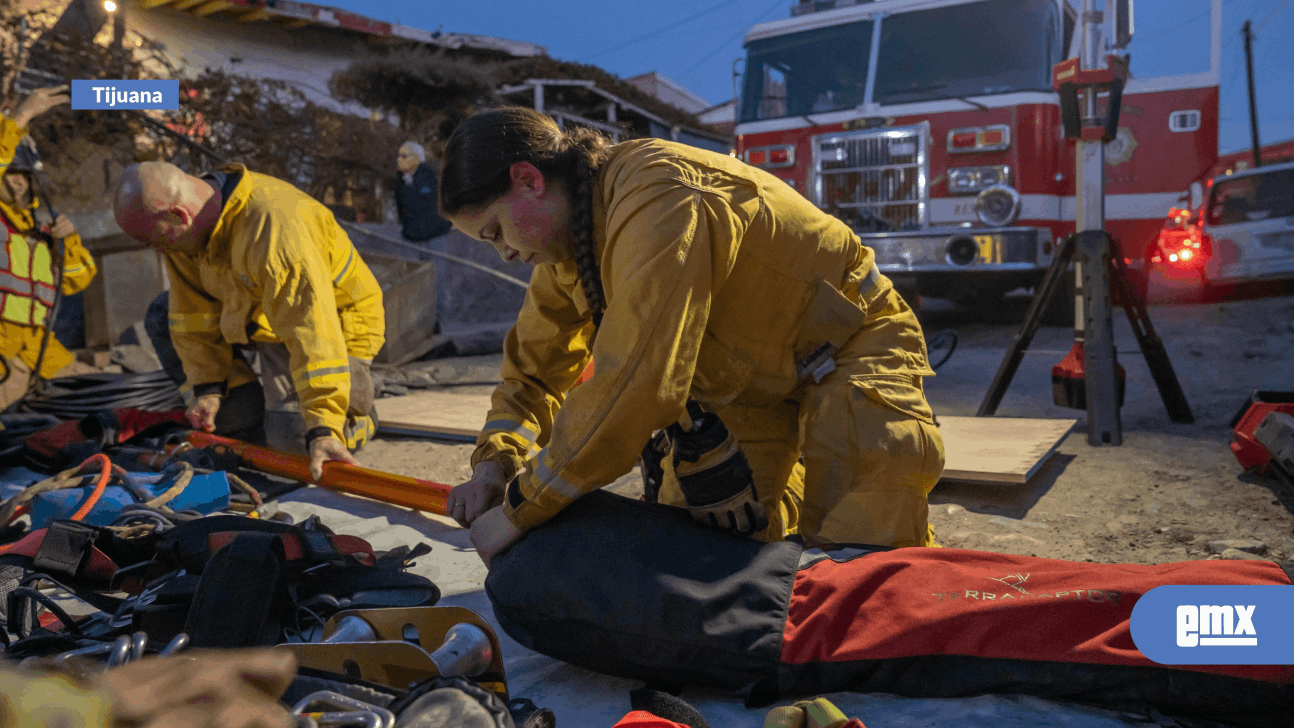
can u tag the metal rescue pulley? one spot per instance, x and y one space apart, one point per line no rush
400 646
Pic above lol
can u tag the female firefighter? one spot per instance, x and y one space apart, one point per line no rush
691 280
28 241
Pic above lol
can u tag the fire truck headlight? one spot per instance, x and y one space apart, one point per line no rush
963 180
998 206
997 174
969 180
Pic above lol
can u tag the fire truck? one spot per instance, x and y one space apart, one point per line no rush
932 128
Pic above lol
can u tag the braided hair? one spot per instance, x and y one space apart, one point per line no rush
476 172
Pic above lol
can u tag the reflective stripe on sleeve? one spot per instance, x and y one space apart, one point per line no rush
548 478
345 269
321 373
524 430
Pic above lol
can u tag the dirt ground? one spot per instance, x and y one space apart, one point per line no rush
1168 493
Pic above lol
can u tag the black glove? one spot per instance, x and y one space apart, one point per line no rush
714 476
651 462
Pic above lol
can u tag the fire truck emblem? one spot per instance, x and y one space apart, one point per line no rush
870 122
1120 149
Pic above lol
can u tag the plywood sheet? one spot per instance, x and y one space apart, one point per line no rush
450 413
1006 450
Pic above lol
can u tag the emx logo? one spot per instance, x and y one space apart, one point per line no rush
1211 625
1215 625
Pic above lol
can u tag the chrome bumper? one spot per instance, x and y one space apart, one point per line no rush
946 250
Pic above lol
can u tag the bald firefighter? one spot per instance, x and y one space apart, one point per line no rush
257 265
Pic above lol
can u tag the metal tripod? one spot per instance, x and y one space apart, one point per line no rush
1091 246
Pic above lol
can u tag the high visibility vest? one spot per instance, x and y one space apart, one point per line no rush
26 277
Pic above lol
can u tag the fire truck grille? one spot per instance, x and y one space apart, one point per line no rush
874 179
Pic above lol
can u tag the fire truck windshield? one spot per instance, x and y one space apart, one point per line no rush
804 73
969 49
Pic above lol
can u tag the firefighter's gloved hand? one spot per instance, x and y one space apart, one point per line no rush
714 476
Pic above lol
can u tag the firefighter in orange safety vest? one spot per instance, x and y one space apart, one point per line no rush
29 240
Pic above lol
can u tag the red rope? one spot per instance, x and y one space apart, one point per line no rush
105 474
21 510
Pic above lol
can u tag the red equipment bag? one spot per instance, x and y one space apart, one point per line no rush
1251 453
637 590
109 427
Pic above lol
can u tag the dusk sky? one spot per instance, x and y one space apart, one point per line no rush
696 43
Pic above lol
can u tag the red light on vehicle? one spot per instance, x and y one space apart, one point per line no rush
1190 252
964 140
992 138
757 158
779 156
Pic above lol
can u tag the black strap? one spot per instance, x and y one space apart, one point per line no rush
375 587
65 546
320 549
186 546
401 557
241 600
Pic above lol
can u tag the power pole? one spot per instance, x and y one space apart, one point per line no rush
1248 34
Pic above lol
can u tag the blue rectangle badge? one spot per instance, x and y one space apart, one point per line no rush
1243 624
116 95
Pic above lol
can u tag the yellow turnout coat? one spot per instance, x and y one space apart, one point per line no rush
277 268
723 284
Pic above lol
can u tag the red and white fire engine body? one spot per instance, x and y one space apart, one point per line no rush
898 115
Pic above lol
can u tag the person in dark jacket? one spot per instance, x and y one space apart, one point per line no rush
415 196
416 200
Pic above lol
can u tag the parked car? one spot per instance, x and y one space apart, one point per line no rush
1241 232
1250 218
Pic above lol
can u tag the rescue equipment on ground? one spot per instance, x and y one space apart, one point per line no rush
1261 438
780 619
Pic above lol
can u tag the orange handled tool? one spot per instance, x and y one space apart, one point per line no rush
398 490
